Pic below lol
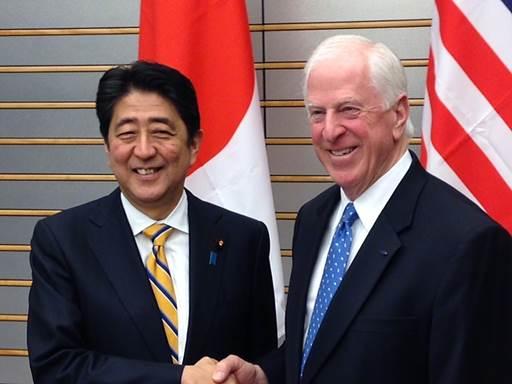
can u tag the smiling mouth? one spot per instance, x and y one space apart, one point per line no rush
342 152
146 171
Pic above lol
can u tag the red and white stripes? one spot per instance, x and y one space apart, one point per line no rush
467 119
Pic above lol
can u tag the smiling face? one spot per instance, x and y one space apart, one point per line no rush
355 137
149 152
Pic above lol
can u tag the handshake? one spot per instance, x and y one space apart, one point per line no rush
231 370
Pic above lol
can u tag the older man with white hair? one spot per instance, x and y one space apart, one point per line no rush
397 278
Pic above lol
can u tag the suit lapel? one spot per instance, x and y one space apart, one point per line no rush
114 246
205 275
308 236
357 284
378 249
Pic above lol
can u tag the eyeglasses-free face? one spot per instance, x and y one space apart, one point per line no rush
355 137
149 152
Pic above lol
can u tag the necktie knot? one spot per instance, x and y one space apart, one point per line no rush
158 233
349 215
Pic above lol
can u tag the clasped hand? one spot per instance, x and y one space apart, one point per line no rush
231 370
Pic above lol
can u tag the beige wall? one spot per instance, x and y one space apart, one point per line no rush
51 63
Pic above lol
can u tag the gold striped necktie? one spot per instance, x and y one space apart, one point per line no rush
161 283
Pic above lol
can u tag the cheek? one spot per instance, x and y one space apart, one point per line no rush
118 155
172 152
316 133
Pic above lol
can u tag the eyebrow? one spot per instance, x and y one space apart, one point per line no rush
123 121
128 120
336 105
163 120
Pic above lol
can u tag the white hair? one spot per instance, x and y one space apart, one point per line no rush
387 74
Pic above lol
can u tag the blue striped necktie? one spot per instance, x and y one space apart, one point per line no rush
334 269
161 283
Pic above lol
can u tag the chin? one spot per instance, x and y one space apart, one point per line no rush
344 182
152 198
148 197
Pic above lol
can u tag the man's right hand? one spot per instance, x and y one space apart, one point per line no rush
243 371
201 372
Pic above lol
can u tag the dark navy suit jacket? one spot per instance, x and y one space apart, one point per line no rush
92 314
428 298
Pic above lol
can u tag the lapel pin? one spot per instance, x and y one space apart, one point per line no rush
219 244
213 258
383 252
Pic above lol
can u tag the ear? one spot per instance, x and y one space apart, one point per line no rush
106 147
401 111
195 145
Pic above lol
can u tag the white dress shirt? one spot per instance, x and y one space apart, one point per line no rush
176 252
368 206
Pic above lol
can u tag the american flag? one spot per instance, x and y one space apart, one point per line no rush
467 118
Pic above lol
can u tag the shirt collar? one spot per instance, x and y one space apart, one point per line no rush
138 221
371 203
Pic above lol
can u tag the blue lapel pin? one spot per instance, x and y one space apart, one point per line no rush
213 254
213 258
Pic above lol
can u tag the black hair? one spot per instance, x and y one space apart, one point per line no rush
146 76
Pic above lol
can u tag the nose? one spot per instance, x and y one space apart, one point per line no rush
144 147
333 126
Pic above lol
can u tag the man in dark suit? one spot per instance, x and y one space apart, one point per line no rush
109 304
426 295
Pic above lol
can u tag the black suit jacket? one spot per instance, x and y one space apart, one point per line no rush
92 314
427 299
